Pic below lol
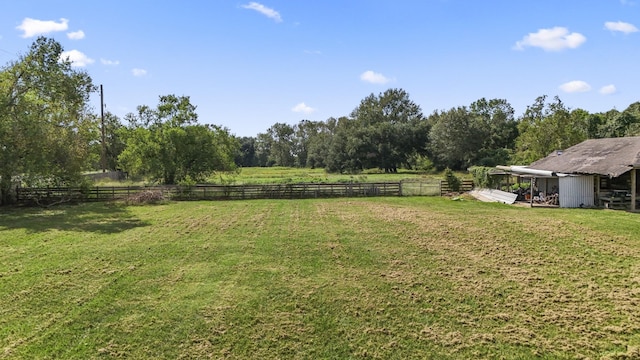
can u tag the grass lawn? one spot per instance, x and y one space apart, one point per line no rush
379 278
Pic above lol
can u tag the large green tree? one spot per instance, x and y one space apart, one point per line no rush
114 133
497 129
482 134
247 156
45 125
166 143
282 145
263 146
277 146
305 132
453 139
383 132
616 124
319 143
546 127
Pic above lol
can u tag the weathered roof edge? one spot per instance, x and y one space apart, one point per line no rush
610 157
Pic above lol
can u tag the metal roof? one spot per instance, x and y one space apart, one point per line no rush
610 157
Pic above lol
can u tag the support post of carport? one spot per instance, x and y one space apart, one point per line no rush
633 189
532 183
597 199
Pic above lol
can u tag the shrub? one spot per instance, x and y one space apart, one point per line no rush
453 181
523 186
423 163
482 178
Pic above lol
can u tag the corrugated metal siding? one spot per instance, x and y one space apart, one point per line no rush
576 191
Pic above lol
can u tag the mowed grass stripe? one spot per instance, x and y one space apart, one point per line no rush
368 278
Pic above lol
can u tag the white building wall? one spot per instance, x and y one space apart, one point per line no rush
576 191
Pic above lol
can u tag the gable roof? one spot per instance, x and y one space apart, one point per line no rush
611 157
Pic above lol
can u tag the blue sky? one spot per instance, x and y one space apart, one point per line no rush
247 65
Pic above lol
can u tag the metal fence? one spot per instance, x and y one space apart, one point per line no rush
421 187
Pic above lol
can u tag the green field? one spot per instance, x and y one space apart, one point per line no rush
287 175
274 175
378 278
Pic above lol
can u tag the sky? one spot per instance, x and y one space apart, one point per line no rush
247 65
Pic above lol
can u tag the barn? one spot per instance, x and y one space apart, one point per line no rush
595 172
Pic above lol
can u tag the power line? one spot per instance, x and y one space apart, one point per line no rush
8 52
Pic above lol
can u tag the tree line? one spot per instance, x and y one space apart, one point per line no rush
389 131
49 135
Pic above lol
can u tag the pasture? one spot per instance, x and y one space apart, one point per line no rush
288 175
278 175
374 278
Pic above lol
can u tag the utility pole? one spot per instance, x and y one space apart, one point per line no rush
103 153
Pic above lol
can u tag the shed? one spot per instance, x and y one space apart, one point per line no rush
595 172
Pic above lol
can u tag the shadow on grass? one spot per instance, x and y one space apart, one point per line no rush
104 218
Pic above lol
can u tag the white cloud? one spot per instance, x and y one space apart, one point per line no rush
33 27
77 58
608 89
268 12
109 62
554 39
620 26
303 108
374 77
139 72
76 35
575 86
313 52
